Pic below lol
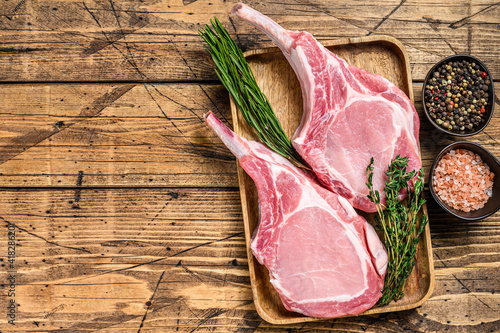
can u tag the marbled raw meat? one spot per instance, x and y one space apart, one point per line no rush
349 116
323 258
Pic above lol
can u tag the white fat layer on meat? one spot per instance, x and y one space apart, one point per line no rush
347 206
262 152
310 198
303 70
377 249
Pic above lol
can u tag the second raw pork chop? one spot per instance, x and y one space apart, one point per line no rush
323 258
350 115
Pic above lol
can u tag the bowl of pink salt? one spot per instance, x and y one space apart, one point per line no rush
464 181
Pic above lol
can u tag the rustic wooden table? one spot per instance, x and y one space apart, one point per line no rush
123 209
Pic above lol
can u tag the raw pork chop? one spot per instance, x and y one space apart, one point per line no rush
323 258
349 115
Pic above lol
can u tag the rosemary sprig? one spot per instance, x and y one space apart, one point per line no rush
235 74
398 221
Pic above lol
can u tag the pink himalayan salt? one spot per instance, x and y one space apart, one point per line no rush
462 180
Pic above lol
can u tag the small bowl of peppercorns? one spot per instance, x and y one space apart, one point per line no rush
458 95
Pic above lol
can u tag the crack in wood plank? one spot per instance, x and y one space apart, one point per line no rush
110 42
220 114
42 238
460 23
23 143
173 101
433 24
130 58
150 301
236 33
326 11
386 17
213 313
194 148
462 284
159 259
182 57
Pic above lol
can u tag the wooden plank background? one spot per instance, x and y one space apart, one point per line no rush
126 207
135 135
157 40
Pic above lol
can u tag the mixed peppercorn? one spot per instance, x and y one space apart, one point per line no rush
456 95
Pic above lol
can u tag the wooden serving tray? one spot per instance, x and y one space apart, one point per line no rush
377 54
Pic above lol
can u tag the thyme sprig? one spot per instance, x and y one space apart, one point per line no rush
398 221
236 75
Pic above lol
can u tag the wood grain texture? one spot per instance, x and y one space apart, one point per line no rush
127 209
97 266
138 135
115 134
157 40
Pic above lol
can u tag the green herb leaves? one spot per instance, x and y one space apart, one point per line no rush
235 74
398 220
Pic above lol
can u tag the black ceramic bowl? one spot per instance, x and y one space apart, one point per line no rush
493 203
491 99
